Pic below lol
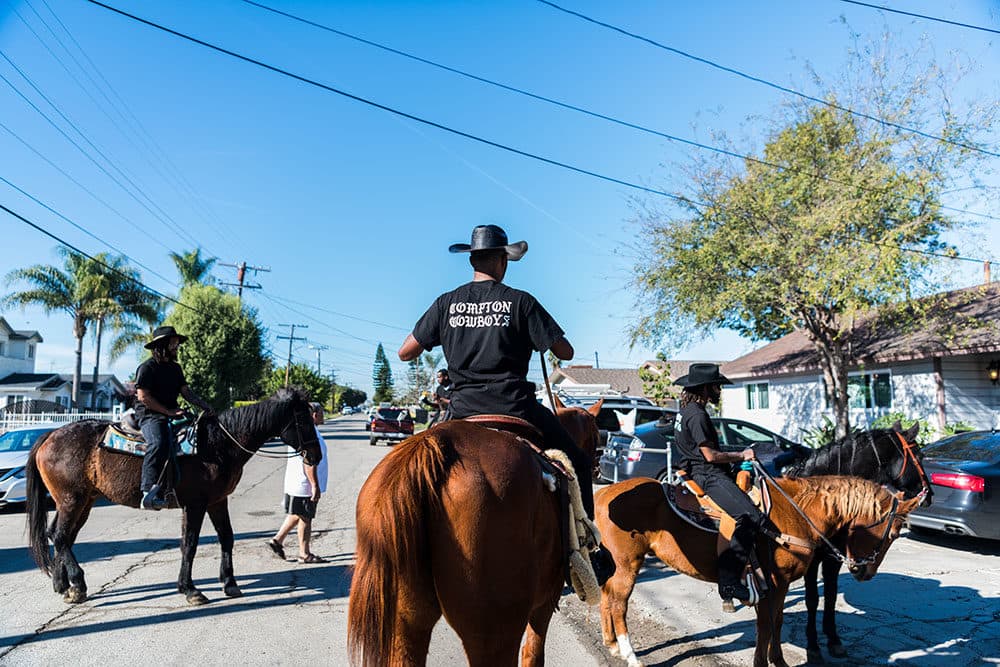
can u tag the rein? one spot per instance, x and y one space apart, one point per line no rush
545 376
908 454
265 455
851 562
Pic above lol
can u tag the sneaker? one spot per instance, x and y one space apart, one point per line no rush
152 501
603 564
735 591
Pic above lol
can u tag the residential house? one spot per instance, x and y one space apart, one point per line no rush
110 390
17 349
938 370
586 379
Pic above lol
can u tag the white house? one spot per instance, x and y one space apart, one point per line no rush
18 349
587 379
943 370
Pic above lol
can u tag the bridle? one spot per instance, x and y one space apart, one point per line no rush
909 454
850 561
293 424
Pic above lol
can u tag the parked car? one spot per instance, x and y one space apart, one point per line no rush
391 425
15 445
964 472
625 456
369 416
607 417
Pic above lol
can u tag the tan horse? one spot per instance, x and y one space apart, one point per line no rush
457 521
635 519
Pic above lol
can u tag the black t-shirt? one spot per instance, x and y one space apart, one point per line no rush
162 380
488 332
443 391
696 430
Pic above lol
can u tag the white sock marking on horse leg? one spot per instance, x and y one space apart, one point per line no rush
625 648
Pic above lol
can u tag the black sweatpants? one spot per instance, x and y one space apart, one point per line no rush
160 448
749 521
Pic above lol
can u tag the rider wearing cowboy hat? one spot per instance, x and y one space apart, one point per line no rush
158 381
698 445
488 332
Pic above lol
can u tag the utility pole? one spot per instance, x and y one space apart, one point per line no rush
318 349
291 338
241 273
597 363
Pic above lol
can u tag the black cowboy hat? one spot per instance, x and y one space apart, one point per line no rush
491 237
163 333
699 374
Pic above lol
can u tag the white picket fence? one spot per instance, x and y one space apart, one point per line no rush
27 419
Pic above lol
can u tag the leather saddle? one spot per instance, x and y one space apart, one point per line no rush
691 503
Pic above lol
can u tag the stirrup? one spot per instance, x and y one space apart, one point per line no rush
151 500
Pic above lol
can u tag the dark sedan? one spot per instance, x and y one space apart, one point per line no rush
626 456
964 470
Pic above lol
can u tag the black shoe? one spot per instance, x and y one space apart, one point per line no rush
151 500
603 564
736 591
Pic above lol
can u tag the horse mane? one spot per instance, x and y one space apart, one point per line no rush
840 456
260 416
841 496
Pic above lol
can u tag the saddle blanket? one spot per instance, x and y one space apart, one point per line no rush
118 440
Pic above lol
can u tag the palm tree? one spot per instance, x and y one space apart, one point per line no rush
72 289
122 303
193 267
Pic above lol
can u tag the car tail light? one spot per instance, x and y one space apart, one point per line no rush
959 481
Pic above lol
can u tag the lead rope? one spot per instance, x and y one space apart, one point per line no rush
259 453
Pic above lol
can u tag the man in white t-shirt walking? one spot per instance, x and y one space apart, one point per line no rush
303 486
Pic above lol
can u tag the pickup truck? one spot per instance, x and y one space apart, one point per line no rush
391 425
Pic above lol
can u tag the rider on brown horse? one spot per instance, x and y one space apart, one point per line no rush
158 382
698 444
488 332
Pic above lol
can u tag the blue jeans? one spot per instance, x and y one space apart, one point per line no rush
160 448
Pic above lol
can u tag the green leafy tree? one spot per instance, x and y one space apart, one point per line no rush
345 396
318 387
382 377
418 381
193 268
75 289
224 356
822 232
657 383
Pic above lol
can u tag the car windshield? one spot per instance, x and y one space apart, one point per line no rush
18 441
966 447
389 414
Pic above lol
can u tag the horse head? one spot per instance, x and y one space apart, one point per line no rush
300 432
907 472
869 538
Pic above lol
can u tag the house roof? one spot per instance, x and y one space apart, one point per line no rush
19 334
31 381
625 380
87 381
965 321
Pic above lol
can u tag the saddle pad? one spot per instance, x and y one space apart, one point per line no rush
120 441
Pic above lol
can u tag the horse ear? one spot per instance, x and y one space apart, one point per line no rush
907 506
897 427
911 433
559 405
595 408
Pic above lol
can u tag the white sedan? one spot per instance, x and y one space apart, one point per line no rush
15 445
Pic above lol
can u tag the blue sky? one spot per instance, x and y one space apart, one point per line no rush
353 208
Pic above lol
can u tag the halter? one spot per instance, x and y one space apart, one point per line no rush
851 562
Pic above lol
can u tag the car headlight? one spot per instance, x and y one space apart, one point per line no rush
14 473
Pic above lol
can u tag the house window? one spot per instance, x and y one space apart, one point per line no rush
869 390
757 396
3 349
31 350
15 398
63 401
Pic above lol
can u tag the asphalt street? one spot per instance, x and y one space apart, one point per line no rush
936 601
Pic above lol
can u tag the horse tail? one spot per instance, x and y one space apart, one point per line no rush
393 509
37 514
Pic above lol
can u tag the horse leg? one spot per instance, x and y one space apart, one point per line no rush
614 611
219 515
417 612
190 530
67 576
533 653
776 606
831 574
813 654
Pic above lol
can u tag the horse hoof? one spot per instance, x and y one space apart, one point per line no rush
75 596
613 650
196 599
814 657
233 591
837 650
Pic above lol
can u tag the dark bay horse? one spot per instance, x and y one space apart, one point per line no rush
889 457
635 519
457 520
76 472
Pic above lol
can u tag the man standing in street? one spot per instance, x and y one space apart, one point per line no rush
442 396
158 383
304 484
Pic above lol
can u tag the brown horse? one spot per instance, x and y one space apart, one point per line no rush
457 520
635 519
77 471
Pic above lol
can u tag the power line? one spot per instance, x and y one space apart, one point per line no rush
757 79
334 312
588 112
923 16
392 110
